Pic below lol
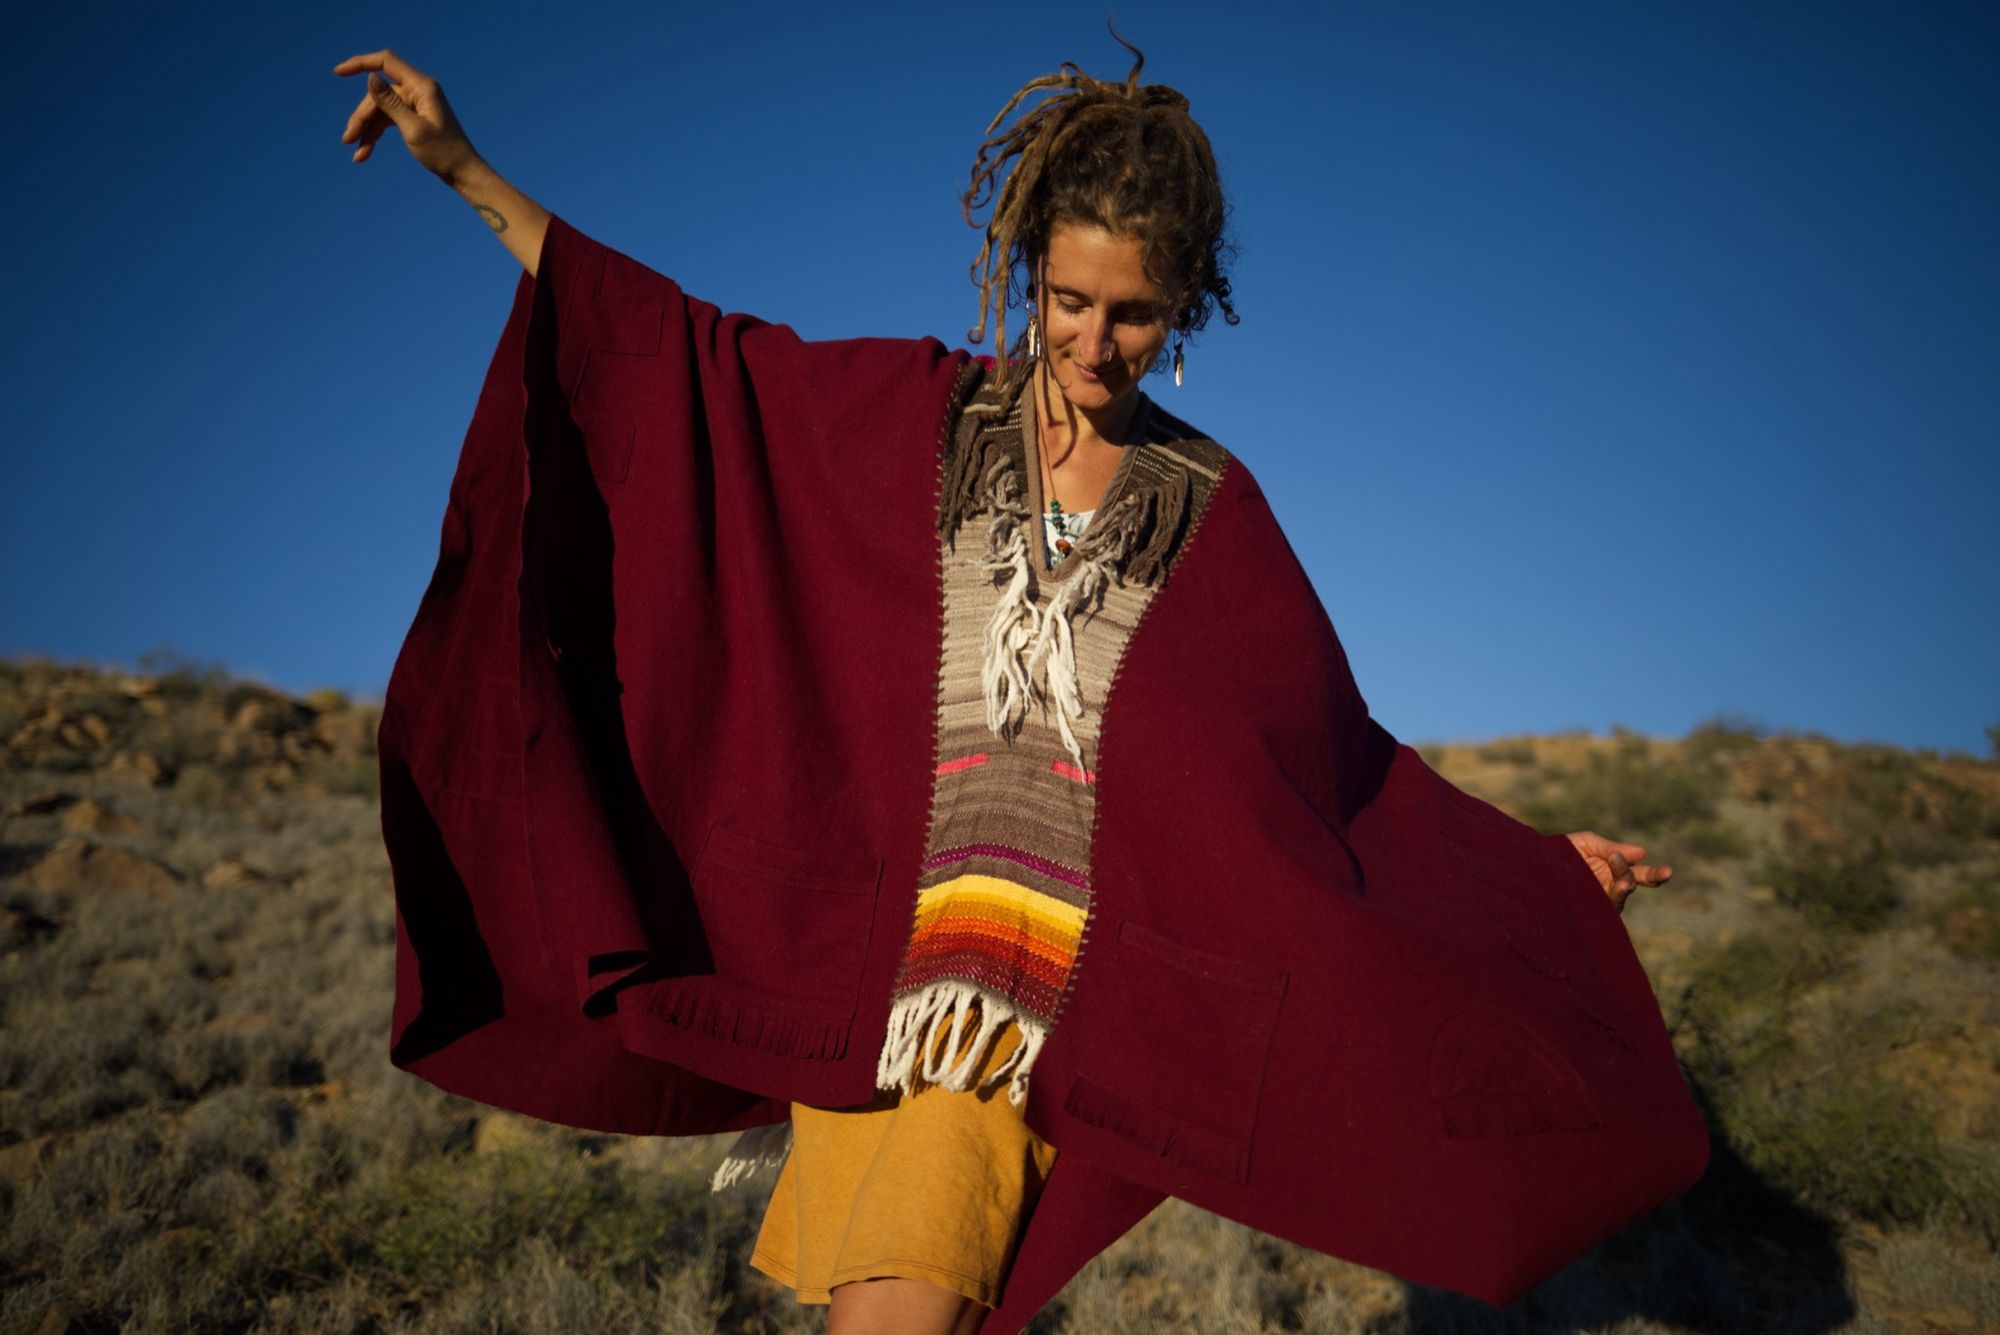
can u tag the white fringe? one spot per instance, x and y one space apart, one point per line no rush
1054 651
1029 654
1012 628
927 1027
758 1148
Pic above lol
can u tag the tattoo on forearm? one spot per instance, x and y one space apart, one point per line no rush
494 218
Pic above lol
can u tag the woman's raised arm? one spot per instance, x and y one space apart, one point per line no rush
402 96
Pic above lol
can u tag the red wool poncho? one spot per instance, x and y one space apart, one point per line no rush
657 761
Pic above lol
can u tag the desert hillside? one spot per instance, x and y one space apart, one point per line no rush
200 1129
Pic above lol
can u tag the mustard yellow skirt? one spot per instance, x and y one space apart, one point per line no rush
932 1186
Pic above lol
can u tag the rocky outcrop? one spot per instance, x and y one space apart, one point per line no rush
150 732
78 864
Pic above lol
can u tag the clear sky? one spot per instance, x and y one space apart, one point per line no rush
1606 363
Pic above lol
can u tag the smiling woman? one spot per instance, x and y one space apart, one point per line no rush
775 752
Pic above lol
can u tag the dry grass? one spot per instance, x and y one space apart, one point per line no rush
200 1129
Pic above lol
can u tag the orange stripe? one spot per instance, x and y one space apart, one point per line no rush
963 762
940 945
1006 933
1069 771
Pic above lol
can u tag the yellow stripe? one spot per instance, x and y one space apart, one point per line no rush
1034 903
984 908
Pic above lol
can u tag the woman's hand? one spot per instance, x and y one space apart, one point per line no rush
414 104
1617 866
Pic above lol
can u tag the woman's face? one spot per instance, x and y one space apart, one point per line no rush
1103 320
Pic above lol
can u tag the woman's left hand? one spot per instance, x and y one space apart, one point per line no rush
1617 866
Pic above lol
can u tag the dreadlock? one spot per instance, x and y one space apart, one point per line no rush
1119 156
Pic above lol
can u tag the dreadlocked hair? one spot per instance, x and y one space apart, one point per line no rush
1121 156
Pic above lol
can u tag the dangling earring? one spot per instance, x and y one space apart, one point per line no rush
1034 338
1180 362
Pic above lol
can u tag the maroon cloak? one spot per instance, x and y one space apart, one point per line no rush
656 761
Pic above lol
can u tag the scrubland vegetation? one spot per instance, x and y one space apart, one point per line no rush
200 1129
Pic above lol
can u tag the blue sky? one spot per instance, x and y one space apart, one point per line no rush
1605 363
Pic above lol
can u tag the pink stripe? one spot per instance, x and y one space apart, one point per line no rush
1053 870
1069 771
963 762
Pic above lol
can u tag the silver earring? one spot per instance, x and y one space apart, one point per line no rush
1034 338
1180 362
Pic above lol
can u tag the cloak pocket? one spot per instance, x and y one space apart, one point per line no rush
1176 1062
615 391
787 930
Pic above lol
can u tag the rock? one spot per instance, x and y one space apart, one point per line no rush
59 1320
42 804
270 715
21 927
20 1164
276 777
250 716
76 864
98 728
92 817
351 732
137 767
1971 930
245 746
233 874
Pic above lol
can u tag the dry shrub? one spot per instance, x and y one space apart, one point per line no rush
1968 923
1839 889
1640 793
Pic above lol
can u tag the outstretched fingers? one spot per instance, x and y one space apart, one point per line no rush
387 61
369 121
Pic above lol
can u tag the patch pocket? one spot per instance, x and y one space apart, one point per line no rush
1177 1065
616 390
787 926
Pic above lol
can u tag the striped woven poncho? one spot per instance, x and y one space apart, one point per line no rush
1030 658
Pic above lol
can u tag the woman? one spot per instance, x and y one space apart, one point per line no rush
1065 499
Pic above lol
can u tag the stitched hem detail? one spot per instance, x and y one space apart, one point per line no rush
978 1290
986 1295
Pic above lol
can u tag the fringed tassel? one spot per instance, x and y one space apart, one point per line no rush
1053 651
971 455
926 1040
1003 675
1169 508
1023 642
1139 536
755 1150
1029 654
